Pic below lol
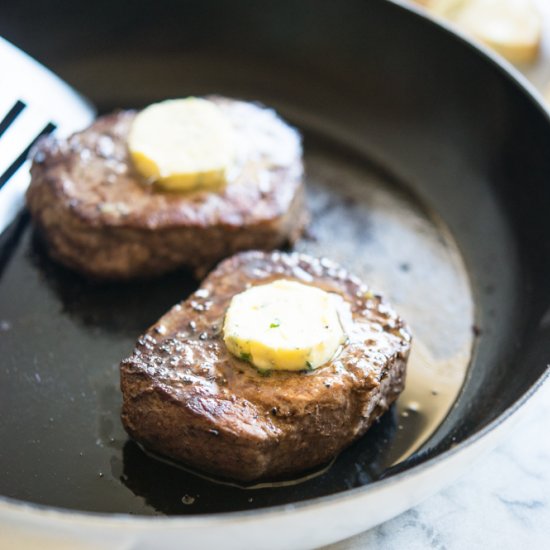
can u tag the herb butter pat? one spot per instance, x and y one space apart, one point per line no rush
284 325
182 144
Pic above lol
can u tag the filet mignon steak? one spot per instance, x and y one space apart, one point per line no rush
98 216
186 397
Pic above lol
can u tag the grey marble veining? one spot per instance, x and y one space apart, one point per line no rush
503 501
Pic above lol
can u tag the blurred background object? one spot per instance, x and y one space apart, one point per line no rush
512 28
519 30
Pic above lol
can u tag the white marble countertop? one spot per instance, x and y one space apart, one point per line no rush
504 499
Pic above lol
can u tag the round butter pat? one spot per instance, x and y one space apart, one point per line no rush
284 325
182 144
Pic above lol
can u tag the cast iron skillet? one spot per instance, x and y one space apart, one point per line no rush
449 126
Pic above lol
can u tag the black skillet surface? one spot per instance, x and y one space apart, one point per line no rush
369 77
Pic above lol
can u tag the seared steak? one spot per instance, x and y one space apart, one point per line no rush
98 216
187 398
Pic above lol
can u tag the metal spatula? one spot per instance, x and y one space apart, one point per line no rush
33 102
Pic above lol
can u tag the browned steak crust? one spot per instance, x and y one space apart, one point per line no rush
99 217
188 398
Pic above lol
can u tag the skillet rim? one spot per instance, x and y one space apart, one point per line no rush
41 511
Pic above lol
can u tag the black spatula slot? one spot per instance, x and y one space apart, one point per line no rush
16 164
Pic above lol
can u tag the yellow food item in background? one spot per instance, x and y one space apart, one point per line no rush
284 325
513 28
444 8
182 144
